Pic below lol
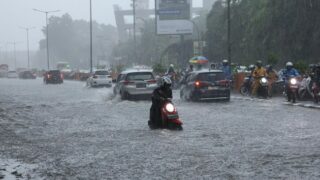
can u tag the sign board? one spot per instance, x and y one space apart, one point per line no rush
173 17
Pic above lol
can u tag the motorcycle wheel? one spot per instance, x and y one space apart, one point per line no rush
293 97
244 91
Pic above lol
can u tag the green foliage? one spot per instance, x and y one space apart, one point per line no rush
120 68
158 68
273 59
301 66
290 29
70 41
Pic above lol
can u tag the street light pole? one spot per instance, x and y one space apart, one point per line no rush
27 30
229 33
134 28
199 38
14 53
47 31
91 36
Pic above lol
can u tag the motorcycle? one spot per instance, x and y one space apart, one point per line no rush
316 92
169 117
305 88
291 89
263 90
245 88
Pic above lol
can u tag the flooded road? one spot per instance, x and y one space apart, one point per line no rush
69 131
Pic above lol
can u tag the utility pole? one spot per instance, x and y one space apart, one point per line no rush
91 36
199 38
27 30
229 32
47 32
134 29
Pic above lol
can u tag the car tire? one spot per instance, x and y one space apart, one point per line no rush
123 95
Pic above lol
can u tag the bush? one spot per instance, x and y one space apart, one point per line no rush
158 68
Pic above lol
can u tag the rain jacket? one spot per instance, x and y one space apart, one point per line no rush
158 97
290 73
227 71
259 72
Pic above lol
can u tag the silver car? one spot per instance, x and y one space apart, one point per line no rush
135 84
100 78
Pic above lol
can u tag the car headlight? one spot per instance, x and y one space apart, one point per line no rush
264 80
170 107
293 81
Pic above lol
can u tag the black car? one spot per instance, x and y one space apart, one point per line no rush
206 85
53 77
27 75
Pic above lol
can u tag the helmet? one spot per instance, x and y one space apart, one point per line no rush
259 63
269 67
289 64
225 61
171 65
165 82
251 67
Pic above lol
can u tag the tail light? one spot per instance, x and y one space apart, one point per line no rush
152 81
224 83
127 82
48 76
199 84
61 75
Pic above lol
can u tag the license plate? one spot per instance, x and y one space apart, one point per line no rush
294 87
141 85
212 88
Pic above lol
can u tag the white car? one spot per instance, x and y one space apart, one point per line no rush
100 78
12 74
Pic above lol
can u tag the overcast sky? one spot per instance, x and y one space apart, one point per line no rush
15 13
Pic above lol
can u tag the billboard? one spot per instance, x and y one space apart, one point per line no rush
173 17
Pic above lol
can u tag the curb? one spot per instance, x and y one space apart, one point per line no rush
311 106
304 105
251 99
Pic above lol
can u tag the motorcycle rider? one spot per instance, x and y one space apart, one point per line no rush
159 95
288 73
258 72
272 76
226 69
171 69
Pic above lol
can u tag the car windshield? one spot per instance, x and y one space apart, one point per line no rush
139 76
101 73
210 77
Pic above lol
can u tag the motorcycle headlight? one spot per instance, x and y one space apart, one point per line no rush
264 80
170 107
293 81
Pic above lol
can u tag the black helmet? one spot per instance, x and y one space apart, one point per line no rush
259 63
165 82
